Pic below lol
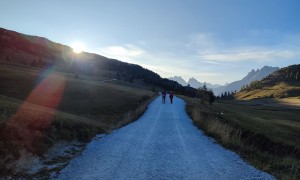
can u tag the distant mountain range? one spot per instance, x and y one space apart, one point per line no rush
193 82
254 75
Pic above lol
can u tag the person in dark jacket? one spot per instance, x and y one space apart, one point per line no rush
171 96
163 95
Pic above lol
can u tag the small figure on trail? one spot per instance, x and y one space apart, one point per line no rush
171 96
163 95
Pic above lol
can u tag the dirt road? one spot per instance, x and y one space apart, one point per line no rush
162 144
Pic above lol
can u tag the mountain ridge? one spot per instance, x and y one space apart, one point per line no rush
193 82
251 76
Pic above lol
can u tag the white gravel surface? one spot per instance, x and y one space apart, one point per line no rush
162 144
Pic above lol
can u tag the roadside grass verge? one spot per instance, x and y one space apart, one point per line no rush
33 135
36 129
267 137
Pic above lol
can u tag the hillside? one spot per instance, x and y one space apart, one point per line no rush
254 75
40 52
283 83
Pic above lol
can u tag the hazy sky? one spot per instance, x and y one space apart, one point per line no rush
215 41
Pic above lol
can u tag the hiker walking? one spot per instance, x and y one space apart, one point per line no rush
163 95
171 96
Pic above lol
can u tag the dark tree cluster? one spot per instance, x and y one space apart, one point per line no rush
205 95
290 73
227 95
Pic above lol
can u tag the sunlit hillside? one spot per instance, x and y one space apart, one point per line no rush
280 84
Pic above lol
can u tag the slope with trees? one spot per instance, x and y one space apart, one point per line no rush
280 84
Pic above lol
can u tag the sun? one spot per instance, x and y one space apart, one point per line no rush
77 47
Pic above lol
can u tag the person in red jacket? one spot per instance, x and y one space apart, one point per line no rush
171 96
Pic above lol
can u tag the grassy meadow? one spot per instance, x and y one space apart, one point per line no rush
39 108
265 134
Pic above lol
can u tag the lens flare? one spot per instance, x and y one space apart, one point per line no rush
37 112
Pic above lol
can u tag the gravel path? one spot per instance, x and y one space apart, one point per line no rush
162 144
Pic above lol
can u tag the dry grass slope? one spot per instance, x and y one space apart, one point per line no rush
281 90
280 84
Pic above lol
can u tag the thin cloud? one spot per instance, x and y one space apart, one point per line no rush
168 71
126 52
211 62
204 56
202 42
209 49
251 56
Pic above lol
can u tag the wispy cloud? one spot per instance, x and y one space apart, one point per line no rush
126 52
202 42
206 57
211 62
170 71
267 55
209 49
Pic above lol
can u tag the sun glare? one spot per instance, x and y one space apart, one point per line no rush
77 47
